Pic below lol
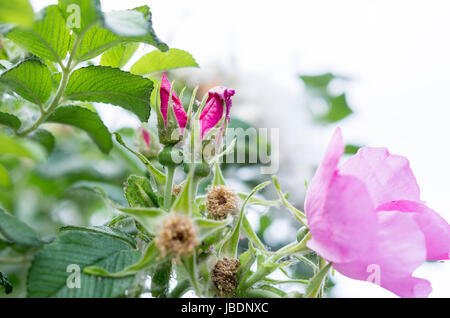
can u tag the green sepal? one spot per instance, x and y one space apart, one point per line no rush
316 284
230 245
150 218
159 177
151 257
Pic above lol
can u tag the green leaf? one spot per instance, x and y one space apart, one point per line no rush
95 41
20 147
106 190
157 61
139 192
134 27
48 38
44 138
126 23
17 232
339 109
5 283
150 257
100 38
351 149
50 271
17 11
5 180
30 79
119 56
150 218
320 81
80 14
86 120
113 232
110 85
10 120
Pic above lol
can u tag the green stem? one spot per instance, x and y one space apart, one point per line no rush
263 271
66 70
55 103
289 281
169 185
295 247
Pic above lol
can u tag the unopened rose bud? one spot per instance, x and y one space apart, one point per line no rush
148 144
174 117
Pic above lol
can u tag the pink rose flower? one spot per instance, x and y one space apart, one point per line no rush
213 111
178 109
367 214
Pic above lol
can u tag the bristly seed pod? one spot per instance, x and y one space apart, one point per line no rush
224 276
177 237
221 201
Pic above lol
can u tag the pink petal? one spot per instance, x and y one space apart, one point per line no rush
345 227
338 209
146 137
398 250
318 186
213 111
387 177
432 225
178 109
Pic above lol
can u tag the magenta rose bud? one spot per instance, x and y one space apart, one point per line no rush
213 111
367 214
178 109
